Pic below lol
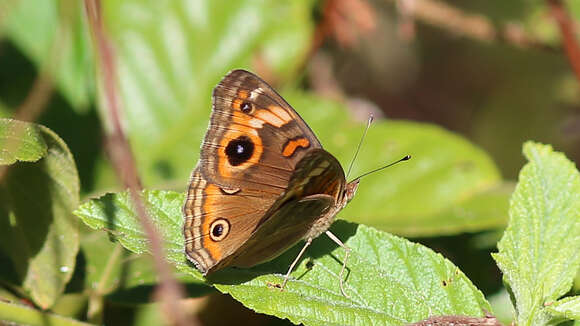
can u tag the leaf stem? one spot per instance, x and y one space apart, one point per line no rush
19 314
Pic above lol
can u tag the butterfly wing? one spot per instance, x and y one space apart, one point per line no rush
248 155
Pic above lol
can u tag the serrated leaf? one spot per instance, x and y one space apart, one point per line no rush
20 141
539 253
390 280
53 34
449 186
38 232
567 308
172 53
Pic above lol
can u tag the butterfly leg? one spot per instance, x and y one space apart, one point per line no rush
308 242
346 254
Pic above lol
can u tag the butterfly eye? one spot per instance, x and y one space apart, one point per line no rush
246 107
219 229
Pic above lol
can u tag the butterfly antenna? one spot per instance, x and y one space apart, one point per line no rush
359 144
406 158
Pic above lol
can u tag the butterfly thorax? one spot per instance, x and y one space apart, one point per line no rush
325 221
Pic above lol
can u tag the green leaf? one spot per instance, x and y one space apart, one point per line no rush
449 186
390 280
20 141
485 210
172 53
4 111
149 315
567 308
38 232
103 262
539 253
53 34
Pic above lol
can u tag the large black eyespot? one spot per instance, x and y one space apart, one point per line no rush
239 150
246 107
219 229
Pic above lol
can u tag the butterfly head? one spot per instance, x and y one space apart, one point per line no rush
350 190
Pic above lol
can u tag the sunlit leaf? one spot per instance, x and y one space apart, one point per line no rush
539 253
20 141
567 308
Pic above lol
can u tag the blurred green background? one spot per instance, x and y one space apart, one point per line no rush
416 65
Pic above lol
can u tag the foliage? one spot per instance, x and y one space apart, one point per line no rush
67 261
38 233
539 253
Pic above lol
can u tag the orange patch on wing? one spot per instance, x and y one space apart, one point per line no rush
243 94
292 145
237 103
270 118
280 112
210 206
245 120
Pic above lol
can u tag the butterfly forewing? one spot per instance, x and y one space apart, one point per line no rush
255 138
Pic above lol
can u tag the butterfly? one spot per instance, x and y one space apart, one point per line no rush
263 181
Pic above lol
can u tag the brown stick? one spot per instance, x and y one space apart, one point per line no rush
566 25
457 320
455 21
119 149
36 100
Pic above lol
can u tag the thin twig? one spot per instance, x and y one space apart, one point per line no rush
169 291
457 320
37 98
345 20
479 27
406 24
566 25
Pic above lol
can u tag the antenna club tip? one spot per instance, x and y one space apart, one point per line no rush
406 158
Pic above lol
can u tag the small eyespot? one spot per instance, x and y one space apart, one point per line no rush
246 107
219 229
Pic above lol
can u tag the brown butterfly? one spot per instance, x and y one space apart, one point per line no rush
263 182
